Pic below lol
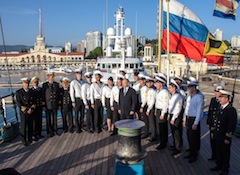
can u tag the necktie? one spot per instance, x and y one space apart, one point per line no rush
125 91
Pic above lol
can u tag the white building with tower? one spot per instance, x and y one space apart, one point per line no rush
68 47
93 40
235 42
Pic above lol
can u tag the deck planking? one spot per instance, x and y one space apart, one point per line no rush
90 154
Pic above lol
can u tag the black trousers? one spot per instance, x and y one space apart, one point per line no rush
51 116
67 125
193 137
177 132
213 145
98 114
162 128
109 111
79 114
145 120
223 154
116 115
37 121
26 125
89 117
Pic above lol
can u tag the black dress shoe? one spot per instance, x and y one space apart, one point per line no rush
40 136
191 160
144 136
71 131
216 168
188 156
113 134
224 173
35 139
152 139
58 133
211 159
51 134
176 152
159 147
188 150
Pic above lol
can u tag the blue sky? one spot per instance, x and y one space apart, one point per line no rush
70 20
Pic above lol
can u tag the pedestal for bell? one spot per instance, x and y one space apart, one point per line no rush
129 153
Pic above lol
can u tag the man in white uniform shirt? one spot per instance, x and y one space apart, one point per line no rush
106 95
77 102
179 81
87 101
161 105
191 119
114 100
149 118
136 87
96 101
175 116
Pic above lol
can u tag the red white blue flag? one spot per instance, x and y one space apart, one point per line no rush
226 8
189 36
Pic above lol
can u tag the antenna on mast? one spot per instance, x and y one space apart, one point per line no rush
40 19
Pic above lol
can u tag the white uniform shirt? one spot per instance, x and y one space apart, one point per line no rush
143 96
114 95
86 93
106 93
96 91
151 98
175 105
194 107
183 94
162 98
136 87
75 89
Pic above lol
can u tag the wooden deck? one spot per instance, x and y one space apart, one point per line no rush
91 154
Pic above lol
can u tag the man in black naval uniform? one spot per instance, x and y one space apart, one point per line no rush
213 107
66 105
51 103
26 103
224 128
37 114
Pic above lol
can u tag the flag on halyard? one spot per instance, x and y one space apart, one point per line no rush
226 8
188 35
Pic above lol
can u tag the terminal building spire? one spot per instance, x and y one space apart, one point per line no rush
40 43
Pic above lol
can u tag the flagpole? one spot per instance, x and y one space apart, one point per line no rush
160 8
168 44
235 80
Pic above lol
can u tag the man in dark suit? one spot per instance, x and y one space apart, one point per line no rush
26 103
225 124
66 105
213 108
51 103
37 115
127 100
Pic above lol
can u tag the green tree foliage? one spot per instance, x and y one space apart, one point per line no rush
97 52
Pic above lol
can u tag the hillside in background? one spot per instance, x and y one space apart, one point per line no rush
10 48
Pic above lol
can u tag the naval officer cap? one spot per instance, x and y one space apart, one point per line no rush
122 70
178 78
173 82
192 81
149 79
159 79
98 72
141 76
78 71
65 80
161 75
26 80
50 74
88 74
35 79
217 87
120 76
224 93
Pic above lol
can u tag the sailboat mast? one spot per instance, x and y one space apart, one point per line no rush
106 36
160 8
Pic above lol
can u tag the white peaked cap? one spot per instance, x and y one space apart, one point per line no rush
177 78
88 74
172 81
98 72
160 79
120 76
149 78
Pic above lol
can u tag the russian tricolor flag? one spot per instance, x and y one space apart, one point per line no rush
188 34
226 8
